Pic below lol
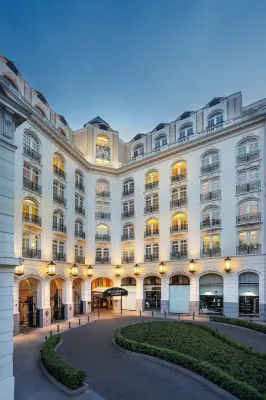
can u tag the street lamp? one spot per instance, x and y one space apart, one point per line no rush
136 269
90 271
118 270
19 270
227 264
74 270
51 268
192 266
162 267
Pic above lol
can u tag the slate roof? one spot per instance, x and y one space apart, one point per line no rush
98 121
41 97
214 101
12 66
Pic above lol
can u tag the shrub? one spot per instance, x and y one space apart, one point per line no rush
58 368
240 322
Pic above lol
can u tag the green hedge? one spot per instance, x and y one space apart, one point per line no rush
240 322
58 368
239 389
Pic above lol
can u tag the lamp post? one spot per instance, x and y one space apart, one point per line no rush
51 268
90 271
19 270
162 267
192 266
74 270
227 264
136 269
118 270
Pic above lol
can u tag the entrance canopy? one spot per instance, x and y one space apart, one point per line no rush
115 291
100 289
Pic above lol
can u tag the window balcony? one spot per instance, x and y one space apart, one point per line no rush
179 228
245 158
31 219
248 249
179 202
178 177
128 192
33 154
210 195
128 214
182 255
127 260
208 169
150 257
151 185
80 186
80 259
59 228
59 257
80 210
127 236
214 252
102 193
150 233
248 218
248 187
59 200
59 172
102 260
80 234
101 215
31 253
209 224
33 186
102 238
103 152
151 209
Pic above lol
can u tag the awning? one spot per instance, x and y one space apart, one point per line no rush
100 289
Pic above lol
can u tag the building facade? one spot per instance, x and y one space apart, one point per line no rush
176 216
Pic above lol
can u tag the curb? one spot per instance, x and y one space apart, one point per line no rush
184 371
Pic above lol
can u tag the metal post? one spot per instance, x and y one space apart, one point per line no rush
165 314
178 315
193 316
152 313
46 338
79 321
121 305
99 309
57 328
140 313
69 325
51 333
88 318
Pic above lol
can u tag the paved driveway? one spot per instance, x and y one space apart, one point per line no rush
117 376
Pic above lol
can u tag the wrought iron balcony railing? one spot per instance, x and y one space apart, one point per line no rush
59 228
150 257
248 218
80 186
102 193
102 260
207 169
33 186
33 154
102 238
245 158
128 214
179 228
127 236
80 210
150 233
31 219
80 259
31 253
214 252
151 185
213 223
248 249
128 192
80 234
102 215
151 209
59 172
248 187
210 195
127 260
178 177
103 152
179 255
179 202
59 200
59 257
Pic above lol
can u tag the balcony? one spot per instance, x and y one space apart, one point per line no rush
33 154
150 233
59 257
182 255
209 224
59 228
59 200
102 260
102 193
31 253
80 210
214 252
33 186
151 185
127 260
80 234
151 209
179 202
248 187
31 219
178 177
128 192
208 169
150 257
103 152
248 249
178 228
248 218
59 172
80 259
102 215
80 186
128 214
245 158
210 195
127 236
102 238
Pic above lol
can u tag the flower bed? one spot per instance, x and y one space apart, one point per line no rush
240 322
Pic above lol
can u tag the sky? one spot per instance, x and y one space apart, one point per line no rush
136 63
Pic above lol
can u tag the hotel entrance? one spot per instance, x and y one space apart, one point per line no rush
152 293
98 286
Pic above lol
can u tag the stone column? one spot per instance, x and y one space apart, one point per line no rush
194 295
139 294
69 311
16 313
164 294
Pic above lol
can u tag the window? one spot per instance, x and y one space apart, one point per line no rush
179 171
128 209
30 173
152 227
128 232
161 140
138 150
79 181
248 211
40 111
11 82
248 181
59 162
102 232
128 254
31 146
102 188
59 193
152 180
210 246
30 207
102 140
128 187
31 245
78 227
58 221
247 150
102 207
248 242
179 223
79 202
210 189
185 131
151 203
179 197
211 217
102 255
79 254
215 118
179 249
210 162
152 252
59 250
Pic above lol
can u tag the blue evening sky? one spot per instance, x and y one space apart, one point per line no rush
136 63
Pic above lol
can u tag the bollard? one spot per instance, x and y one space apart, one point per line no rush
46 338
193 315
69 325
152 313
217 330
79 321
165 314
140 313
178 316
88 318
57 328
51 333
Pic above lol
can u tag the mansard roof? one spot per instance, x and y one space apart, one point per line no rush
62 119
12 66
137 137
160 126
214 101
98 121
185 115
41 97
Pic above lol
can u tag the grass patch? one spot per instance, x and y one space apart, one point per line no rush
233 367
58 368
240 322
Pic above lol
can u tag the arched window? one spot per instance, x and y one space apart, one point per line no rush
128 209
102 210
215 118
211 217
79 253
210 162
179 250
102 140
151 203
152 180
79 181
102 255
185 131
59 250
59 166
128 281
79 204
79 229
152 228
210 189
179 171
248 211
102 233
179 223
128 254
179 197
128 232
248 242
102 188
40 111
152 252
128 187
161 140
210 246
247 150
59 193
248 288
31 212
103 153
58 221
152 280
31 178
248 181
31 146
138 150
31 245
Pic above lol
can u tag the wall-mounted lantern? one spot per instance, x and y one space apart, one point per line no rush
136 269
19 270
74 270
162 267
51 268
118 270
90 271
227 264
192 266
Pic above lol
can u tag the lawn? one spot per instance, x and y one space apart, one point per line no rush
203 344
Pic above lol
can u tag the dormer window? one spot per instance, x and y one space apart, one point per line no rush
185 131
161 140
40 111
215 118
139 149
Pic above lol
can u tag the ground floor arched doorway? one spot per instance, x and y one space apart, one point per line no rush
211 294
179 293
29 302
248 289
129 301
57 299
78 295
98 286
152 292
